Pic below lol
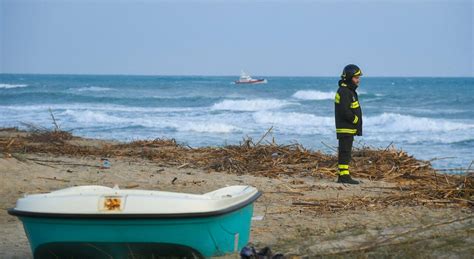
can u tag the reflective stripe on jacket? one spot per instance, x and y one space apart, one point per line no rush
348 113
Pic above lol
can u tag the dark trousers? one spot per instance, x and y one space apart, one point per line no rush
344 154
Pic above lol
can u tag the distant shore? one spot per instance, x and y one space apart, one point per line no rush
402 208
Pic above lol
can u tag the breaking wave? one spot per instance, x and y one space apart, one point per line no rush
9 86
93 89
208 127
384 127
293 119
393 122
97 107
250 105
202 124
313 95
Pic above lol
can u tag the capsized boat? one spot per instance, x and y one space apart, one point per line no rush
103 222
246 79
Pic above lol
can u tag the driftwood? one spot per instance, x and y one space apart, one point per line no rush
417 182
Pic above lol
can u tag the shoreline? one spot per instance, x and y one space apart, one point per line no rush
409 211
331 150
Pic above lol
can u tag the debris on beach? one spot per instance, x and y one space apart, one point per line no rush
416 182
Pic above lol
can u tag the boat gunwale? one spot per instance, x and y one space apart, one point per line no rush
20 213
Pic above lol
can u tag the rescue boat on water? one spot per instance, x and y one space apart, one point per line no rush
247 79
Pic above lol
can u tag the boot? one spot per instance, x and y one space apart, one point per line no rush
346 179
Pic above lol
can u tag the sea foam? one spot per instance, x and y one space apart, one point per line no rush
313 95
250 105
181 124
88 117
212 127
93 89
9 86
293 119
384 123
97 107
394 122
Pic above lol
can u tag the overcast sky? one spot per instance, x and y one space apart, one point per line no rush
287 38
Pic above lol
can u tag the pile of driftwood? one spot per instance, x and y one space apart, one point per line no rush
417 179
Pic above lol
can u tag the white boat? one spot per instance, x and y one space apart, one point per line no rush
94 221
246 79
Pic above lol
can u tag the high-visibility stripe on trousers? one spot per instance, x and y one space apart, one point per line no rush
344 154
343 169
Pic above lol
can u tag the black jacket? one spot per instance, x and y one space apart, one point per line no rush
347 110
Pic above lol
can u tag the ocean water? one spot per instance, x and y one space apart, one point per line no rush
427 117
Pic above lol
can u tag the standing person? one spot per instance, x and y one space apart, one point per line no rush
348 119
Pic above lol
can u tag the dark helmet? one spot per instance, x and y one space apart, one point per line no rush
350 71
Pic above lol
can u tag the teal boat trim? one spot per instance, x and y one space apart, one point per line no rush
209 236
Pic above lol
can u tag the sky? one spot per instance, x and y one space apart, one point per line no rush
273 38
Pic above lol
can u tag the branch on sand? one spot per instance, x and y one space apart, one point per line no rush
416 181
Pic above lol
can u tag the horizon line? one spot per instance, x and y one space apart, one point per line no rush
235 75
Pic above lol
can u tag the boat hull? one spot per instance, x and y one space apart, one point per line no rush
255 81
203 236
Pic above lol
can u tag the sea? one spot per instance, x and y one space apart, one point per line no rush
430 118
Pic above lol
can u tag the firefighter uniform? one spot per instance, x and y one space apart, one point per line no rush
348 117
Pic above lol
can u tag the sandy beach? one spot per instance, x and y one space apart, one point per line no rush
302 214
